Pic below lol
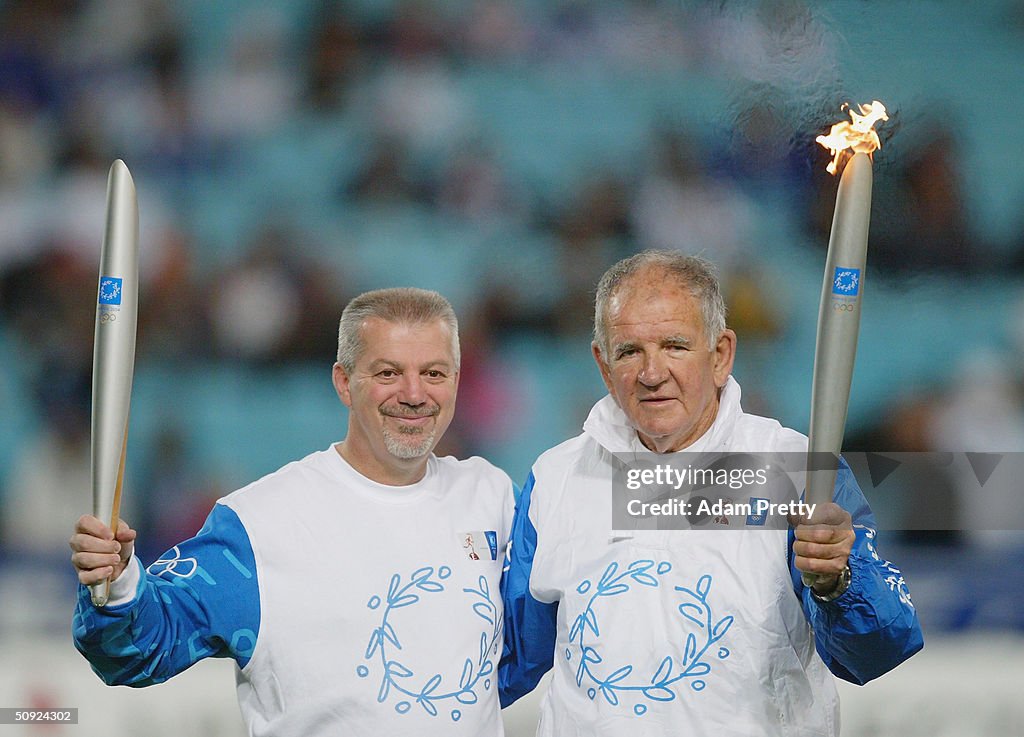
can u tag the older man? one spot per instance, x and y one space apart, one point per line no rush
703 632
340 584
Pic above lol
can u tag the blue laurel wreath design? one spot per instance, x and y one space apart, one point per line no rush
396 675
671 671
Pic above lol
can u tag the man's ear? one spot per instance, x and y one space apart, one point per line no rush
602 366
342 384
725 355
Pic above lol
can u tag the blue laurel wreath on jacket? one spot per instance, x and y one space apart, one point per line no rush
672 670
397 676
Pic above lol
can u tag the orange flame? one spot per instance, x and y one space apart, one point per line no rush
857 134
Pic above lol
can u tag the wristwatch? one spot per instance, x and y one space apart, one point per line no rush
840 588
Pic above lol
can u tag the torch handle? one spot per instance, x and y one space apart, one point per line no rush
100 592
838 327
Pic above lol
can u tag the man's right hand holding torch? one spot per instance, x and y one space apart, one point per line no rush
98 554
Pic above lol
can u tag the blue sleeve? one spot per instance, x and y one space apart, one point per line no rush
529 624
200 599
873 626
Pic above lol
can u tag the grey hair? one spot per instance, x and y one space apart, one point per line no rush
693 273
402 305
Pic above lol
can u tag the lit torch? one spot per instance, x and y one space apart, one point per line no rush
839 313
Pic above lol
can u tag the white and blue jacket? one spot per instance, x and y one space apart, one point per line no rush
685 633
349 607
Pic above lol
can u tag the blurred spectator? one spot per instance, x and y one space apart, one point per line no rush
983 413
69 215
174 311
765 153
26 146
276 305
176 148
571 34
784 43
322 295
48 300
416 31
937 233
50 482
497 30
751 296
175 495
509 312
415 99
930 510
473 185
29 34
106 35
256 86
386 176
679 207
592 234
648 36
983 409
257 306
336 60
491 398
418 103
127 68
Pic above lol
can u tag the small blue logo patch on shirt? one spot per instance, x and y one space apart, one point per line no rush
110 290
492 543
846 281
755 517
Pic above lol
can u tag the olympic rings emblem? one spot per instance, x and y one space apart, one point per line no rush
844 306
107 317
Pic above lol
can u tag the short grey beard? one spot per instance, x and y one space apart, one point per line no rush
403 450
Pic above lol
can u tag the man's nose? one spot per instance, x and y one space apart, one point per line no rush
654 371
413 391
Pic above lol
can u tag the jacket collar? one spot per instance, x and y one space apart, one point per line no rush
608 425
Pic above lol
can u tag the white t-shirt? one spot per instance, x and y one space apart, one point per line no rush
351 607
